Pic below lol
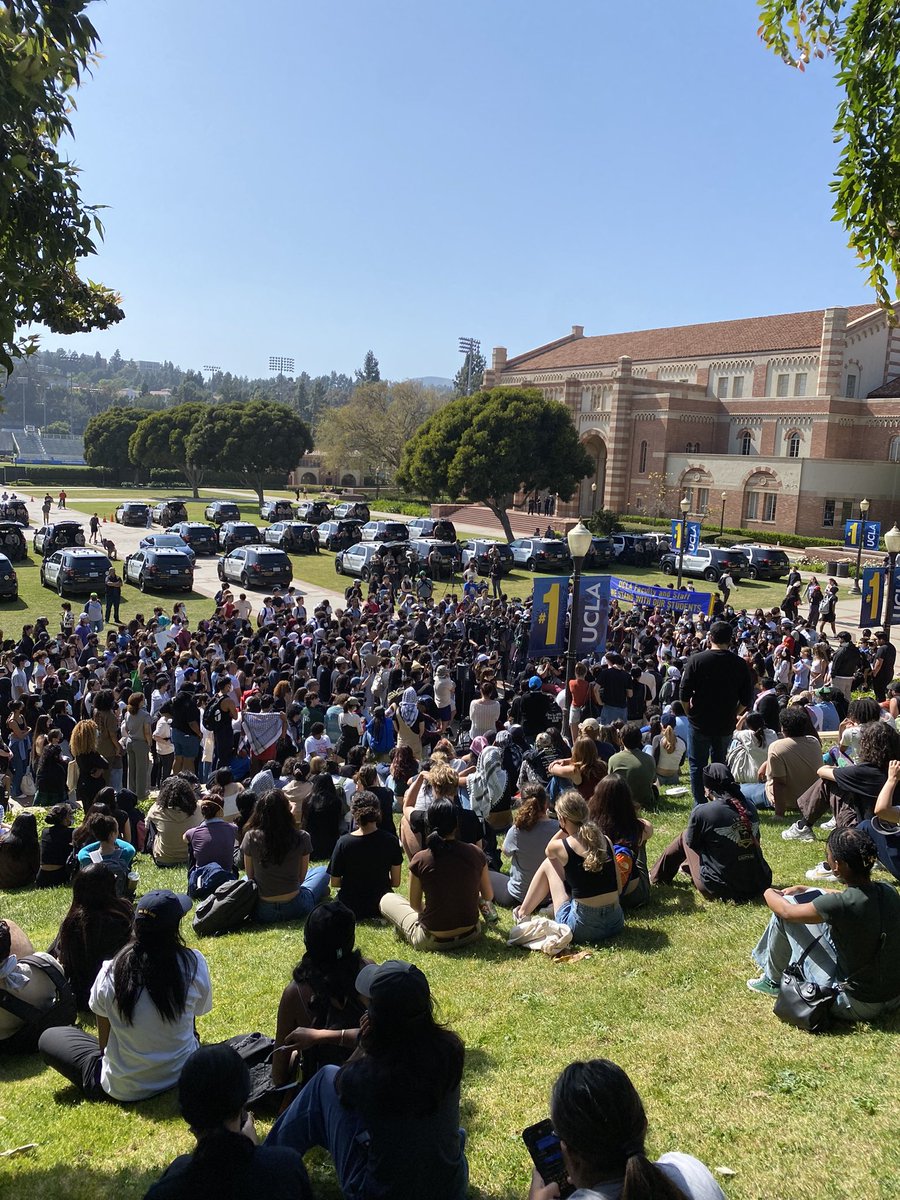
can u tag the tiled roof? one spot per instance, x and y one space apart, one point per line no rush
787 331
887 391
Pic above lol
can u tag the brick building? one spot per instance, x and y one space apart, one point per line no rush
788 420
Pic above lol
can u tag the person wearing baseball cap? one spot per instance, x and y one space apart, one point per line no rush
390 1119
146 999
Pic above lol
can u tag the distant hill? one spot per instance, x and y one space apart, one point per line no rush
436 381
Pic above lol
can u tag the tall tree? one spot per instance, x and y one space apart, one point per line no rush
863 39
162 440
374 426
106 437
487 446
369 372
255 440
463 383
45 226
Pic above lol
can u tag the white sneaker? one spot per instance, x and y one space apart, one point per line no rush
821 873
798 833
829 825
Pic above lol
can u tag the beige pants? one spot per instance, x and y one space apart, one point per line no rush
402 914
842 684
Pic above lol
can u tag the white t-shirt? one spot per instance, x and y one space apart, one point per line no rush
317 746
162 735
687 1173
146 1057
443 691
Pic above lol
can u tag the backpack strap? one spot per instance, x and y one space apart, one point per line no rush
22 1008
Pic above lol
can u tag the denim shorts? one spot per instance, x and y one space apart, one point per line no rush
591 924
187 745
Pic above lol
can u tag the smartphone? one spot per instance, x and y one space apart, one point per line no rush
543 1145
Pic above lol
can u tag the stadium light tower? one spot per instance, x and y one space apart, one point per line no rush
470 347
280 367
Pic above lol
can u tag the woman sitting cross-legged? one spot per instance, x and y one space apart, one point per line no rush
612 808
94 930
580 874
320 1011
276 854
852 935
366 863
389 1117
447 880
146 1000
526 844
227 1161
720 848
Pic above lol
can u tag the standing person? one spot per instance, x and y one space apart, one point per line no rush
94 524
846 662
45 507
108 741
138 740
828 607
615 690
496 572
186 731
220 715
93 610
113 594
883 665
716 686
147 1000
61 503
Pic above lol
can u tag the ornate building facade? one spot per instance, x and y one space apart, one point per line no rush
773 423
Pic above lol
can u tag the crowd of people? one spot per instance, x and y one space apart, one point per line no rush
317 752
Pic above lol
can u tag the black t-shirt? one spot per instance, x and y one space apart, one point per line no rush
536 712
56 845
859 784
887 655
717 683
614 683
275 1172
731 863
185 712
363 864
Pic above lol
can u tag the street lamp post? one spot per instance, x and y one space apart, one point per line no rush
722 518
579 538
685 507
892 545
863 509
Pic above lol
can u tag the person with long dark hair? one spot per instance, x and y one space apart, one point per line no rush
612 808
720 846
20 853
96 927
56 847
601 1122
389 1118
276 854
320 1011
323 814
146 1000
227 1162
51 772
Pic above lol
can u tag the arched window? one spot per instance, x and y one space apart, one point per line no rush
642 460
793 445
746 442
894 452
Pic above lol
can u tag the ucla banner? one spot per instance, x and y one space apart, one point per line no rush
628 592
862 533
692 536
872 607
548 617
593 614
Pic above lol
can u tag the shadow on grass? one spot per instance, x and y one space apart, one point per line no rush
16 1067
79 1183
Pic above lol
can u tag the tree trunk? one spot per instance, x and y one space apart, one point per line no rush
257 482
499 511
194 476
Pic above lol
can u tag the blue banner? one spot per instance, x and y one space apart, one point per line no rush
862 533
628 592
548 617
692 530
872 606
593 614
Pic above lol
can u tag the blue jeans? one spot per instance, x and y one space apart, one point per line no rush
315 885
705 748
589 924
757 793
609 713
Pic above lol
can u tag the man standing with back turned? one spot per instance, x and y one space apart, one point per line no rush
715 687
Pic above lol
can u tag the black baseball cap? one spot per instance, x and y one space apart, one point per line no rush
399 986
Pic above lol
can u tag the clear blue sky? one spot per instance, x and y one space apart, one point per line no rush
315 179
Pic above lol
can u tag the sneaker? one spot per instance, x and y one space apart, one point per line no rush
798 833
822 873
829 825
763 985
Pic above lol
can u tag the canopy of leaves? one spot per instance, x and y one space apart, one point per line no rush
462 381
374 426
256 439
45 228
863 38
107 436
161 440
489 445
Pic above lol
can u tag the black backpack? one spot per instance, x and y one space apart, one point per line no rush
212 714
226 909
62 1009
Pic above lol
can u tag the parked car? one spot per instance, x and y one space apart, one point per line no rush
707 562
159 569
352 510
12 540
600 554
632 549
658 543
237 533
313 511
168 512
449 554
433 527
478 551
357 560
385 531
168 541
542 554
765 562
76 570
9 580
201 538
57 535
256 566
220 511
338 535
297 536
15 510
133 512
276 510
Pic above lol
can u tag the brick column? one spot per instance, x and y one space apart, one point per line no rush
619 446
831 359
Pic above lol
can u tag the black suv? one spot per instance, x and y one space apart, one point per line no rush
313 511
276 510
201 538
133 512
449 555
765 562
57 535
76 570
220 511
169 512
159 570
256 566
237 533
600 554
9 580
12 540
338 535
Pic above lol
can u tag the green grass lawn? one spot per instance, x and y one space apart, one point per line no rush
794 1117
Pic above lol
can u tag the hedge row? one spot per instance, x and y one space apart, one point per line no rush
711 533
